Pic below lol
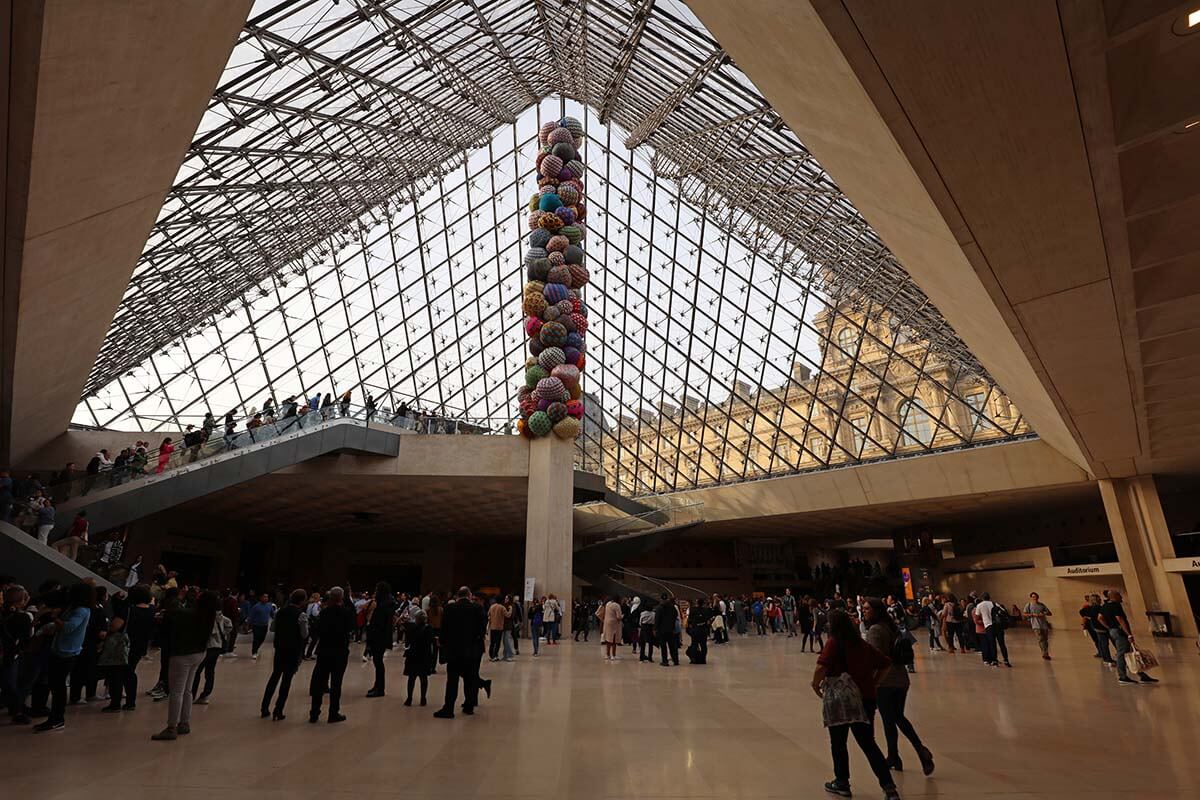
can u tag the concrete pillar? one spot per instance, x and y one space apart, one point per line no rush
1143 542
549 551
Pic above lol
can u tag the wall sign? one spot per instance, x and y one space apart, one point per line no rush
1085 570
1189 564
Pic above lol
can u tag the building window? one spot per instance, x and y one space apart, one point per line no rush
977 400
858 435
918 427
816 446
846 339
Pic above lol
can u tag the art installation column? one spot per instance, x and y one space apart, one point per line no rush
551 400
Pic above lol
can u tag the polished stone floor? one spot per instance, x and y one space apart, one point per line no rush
570 725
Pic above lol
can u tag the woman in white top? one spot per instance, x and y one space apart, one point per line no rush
550 617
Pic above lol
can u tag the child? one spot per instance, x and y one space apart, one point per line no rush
418 655
113 662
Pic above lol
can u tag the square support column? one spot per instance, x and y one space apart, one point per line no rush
1143 541
549 545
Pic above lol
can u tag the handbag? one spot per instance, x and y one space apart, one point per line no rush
841 700
1137 660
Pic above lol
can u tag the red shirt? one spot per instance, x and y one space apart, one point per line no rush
859 659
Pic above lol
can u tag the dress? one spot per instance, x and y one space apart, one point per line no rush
612 623
418 650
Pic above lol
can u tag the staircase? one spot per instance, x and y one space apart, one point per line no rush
31 562
617 541
221 463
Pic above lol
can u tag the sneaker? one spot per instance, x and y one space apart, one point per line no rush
840 789
165 735
49 726
1126 681
1148 679
202 700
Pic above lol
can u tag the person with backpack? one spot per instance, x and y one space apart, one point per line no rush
1000 621
885 636
847 674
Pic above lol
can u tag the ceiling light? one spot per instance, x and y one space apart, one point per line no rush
1193 18
1187 24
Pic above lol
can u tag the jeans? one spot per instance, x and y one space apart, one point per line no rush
1121 641
987 641
84 673
551 632
891 711
179 701
56 675
508 646
494 639
789 620
1103 645
1000 645
260 636
1043 638
208 668
130 684
327 676
864 734
535 633
647 643
283 669
935 639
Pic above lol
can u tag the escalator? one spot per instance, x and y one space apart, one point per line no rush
617 541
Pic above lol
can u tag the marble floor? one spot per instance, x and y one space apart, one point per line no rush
571 725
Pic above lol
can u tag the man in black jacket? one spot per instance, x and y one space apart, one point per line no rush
291 631
461 648
666 617
334 628
698 622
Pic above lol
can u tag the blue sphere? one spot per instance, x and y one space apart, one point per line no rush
550 202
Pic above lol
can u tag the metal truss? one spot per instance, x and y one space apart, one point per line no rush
352 203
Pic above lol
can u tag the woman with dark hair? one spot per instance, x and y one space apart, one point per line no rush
68 630
850 703
139 627
434 618
190 631
164 455
418 654
381 621
882 634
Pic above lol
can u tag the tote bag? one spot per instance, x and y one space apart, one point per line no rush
841 700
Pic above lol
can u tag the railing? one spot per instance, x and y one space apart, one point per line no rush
677 514
628 577
288 423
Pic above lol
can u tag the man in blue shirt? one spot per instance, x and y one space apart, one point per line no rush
260 616
68 631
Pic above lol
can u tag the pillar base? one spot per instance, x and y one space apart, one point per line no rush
549 545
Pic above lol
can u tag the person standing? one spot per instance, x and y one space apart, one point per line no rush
45 520
1112 617
892 692
418 655
112 662
982 617
335 626
139 626
666 622
1037 613
84 673
535 624
847 654
551 613
291 631
789 612
190 631
78 536
164 455
381 622
463 624
260 616
610 616
222 629
646 633
699 620
498 617
1089 617
68 630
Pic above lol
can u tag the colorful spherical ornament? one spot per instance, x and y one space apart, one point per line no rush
550 388
540 238
560 273
575 392
582 228
543 404
565 321
573 125
523 392
567 373
533 305
550 222
550 202
552 334
540 424
538 270
556 258
573 254
555 292
548 183
572 232
575 408
534 253
523 429
533 327
580 322
571 355
564 150
533 201
556 411
557 242
572 340
566 214
560 136
568 193
535 219
528 405
535 346
567 428
579 275
545 130
552 166
578 307
551 313
564 306
533 375
552 357
582 362
574 166
580 213
534 287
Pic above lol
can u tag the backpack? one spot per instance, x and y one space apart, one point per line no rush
958 613
1000 616
902 651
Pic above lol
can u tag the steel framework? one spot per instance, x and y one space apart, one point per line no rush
352 200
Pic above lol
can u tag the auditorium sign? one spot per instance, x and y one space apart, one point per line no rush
1191 564
1085 570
